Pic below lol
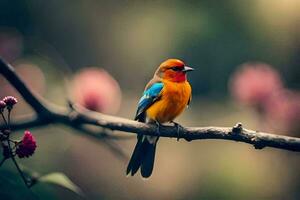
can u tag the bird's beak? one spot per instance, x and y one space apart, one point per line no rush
187 69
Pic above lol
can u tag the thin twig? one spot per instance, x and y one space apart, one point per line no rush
16 164
12 156
8 119
4 119
20 171
48 113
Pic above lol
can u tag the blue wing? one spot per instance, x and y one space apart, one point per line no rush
150 95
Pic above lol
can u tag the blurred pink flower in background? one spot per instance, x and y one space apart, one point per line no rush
11 44
96 90
31 74
283 111
258 85
255 83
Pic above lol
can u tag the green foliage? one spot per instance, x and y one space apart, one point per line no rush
62 180
12 187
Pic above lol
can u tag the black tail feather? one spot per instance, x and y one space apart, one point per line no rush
148 161
143 156
135 160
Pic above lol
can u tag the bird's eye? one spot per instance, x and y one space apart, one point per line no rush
176 68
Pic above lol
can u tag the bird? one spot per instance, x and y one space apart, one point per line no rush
165 97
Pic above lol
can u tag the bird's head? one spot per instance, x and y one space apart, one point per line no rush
173 70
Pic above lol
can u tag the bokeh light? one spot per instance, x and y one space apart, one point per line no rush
97 90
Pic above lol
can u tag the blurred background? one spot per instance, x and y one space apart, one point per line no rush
101 54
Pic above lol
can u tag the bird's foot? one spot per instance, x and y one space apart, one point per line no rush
178 127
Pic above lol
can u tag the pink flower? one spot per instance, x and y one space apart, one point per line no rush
27 146
10 101
255 83
2 105
97 90
283 111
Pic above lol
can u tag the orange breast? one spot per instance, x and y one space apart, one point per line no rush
173 101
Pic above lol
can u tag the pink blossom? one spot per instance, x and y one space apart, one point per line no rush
97 90
27 146
283 110
10 101
2 105
255 83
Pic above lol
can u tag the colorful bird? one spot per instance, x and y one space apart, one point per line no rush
166 95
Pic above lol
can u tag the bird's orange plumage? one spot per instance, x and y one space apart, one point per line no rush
174 98
165 97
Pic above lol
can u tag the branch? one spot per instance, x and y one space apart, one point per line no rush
10 74
78 116
46 113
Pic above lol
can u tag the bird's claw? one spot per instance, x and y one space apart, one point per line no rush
178 127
